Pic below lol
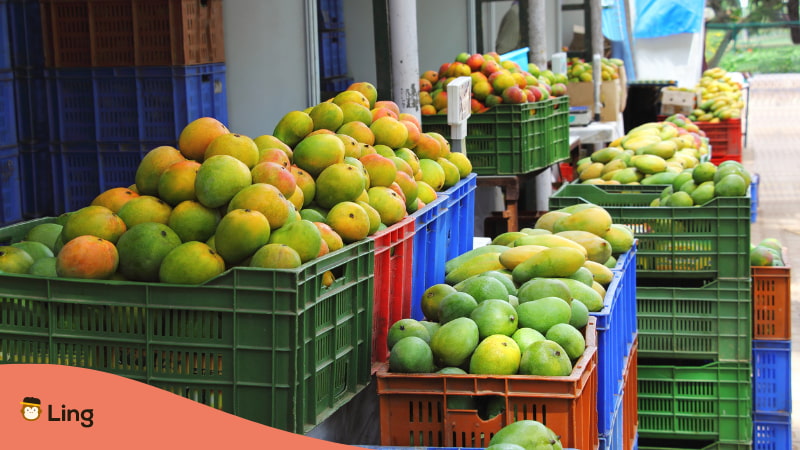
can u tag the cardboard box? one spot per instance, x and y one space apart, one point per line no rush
582 94
675 101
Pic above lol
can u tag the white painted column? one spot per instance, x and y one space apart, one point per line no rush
405 55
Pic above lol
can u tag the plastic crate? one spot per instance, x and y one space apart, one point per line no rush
772 431
705 402
332 86
710 241
128 104
690 321
519 56
331 14
461 215
33 123
10 186
772 376
772 301
558 149
25 20
332 54
5 36
725 138
431 227
661 444
273 346
394 250
616 330
505 140
8 113
39 181
612 439
754 182
414 411
630 399
99 33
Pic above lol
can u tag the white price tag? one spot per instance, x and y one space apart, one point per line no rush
459 96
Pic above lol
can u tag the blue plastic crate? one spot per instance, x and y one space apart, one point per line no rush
5 45
332 86
331 14
613 438
461 209
10 189
332 54
772 376
616 331
133 104
8 114
25 28
33 124
754 182
430 251
519 56
40 182
772 431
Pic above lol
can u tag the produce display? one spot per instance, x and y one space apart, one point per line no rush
332 174
651 153
579 70
494 82
768 252
706 181
516 305
718 97
524 434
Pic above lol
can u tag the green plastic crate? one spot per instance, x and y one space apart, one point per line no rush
660 444
709 241
711 322
559 130
505 140
710 402
273 346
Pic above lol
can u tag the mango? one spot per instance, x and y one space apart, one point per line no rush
550 262
453 263
514 256
474 266
597 248
549 240
594 220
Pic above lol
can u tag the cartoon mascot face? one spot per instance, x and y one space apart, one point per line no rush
31 408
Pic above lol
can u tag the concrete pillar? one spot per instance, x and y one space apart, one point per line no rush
405 57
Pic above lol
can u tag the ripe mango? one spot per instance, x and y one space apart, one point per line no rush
549 240
594 220
453 263
514 256
474 266
597 248
550 262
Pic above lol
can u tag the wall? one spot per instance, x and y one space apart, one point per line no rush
678 57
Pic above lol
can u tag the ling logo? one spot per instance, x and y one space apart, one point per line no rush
32 410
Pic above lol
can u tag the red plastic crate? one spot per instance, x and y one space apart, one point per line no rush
725 138
630 408
109 33
414 411
394 248
772 299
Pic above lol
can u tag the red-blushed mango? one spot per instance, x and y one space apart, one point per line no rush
326 115
276 256
355 112
293 127
409 157
237 145
358 130
389 131
177 182
274 155
351 96
349 220
219 178
305 182
270 141
382 170
331 238
114 198
266 199
413 133
142 248
88 257
239 234
197 134
444 144
411 118
302 235
276 175
428 147
152 165
338 183
145 208
377 113
191 262
192 221
352 147
314 153
93 220
408 185
389 204
367 89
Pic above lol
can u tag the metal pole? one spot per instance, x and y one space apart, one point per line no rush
405 56
537 32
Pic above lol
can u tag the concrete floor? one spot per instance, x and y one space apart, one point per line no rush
773 152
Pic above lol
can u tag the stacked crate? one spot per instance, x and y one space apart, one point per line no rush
332 48
772 368
100 83
10 187
693 314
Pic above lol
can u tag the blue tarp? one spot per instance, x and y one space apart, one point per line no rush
658 18
615 29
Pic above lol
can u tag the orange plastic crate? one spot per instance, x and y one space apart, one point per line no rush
772 298
630 399
113 33
414 411
394 249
